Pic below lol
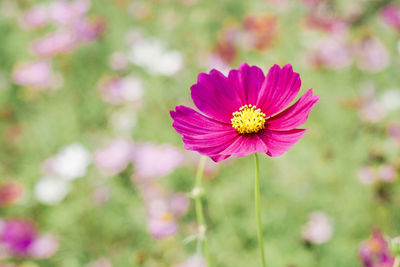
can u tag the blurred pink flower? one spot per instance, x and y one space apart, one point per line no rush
318 229
394 132
43 247
162 210
163 226
118 61
68 12
391 16
34 18
260 31
90 30
101 262
10 193
61 42
370 109
194 261
387 173
117 90
367 175
374 252
36 74
333 52
115 157
372 55
17 236
178 204
153 162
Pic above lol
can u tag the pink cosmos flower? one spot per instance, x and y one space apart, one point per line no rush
37 74
391 16
318 229
34 18
17 236
66 12
61 42
144 156
10 193
115 157
43 247
90 30
372 55
244 113
374 252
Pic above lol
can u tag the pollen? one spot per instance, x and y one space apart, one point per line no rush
249 119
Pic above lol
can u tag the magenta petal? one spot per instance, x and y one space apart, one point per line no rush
278 90
219 158
245 145
278 142
214 95
202 134
247 82
295 115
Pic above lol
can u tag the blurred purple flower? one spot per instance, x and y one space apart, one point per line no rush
43 247
178 204
115 157
17 236
163 226
333 52
391 16
60 42
318 229
162 210
116 90
36 17
67 12
374 252
89 30
153 162
372 55
36 74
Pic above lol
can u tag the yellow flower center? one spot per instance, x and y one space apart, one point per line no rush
248 119
166 217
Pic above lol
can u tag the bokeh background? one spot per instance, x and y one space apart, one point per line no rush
92 173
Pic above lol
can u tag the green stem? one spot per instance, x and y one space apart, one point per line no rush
197 193
396 262
258 210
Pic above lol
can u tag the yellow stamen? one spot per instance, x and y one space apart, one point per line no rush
166 217
248 119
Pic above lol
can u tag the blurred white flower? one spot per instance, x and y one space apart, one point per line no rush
318 229
123 121
151 55
71 162
390 100
50 190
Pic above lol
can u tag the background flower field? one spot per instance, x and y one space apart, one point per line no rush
93 174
